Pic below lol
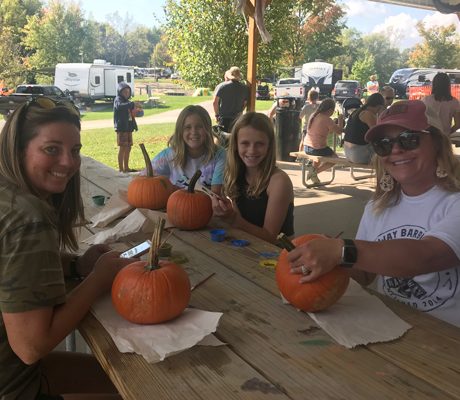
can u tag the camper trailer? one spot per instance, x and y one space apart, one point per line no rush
319 75
90 82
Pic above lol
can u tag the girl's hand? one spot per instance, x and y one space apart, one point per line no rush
223 207
86 262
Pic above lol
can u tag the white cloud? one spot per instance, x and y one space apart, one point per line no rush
363 8
438 19
400 29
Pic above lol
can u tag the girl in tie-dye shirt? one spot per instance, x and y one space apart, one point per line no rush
190 148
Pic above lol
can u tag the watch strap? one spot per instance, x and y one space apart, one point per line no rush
349 253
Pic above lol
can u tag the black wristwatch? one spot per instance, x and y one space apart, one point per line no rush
349 253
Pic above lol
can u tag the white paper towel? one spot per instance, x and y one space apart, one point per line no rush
156 342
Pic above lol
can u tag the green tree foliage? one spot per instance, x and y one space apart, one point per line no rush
351 44
440 47
11 68
206 37
363 68
14 14
161 56
56 35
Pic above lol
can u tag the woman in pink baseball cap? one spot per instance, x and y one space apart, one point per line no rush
409 236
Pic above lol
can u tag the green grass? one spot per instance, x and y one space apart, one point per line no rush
101 144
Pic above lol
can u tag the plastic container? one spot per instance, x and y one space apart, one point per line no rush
99 200
218 235
240 243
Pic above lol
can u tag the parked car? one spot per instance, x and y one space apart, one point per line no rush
287 81
346 88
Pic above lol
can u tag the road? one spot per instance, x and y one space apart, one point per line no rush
164 117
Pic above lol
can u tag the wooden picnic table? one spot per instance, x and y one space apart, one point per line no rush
272 351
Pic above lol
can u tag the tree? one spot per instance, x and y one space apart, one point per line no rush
363 68
56 35
161 56
11 66
351 44
440 47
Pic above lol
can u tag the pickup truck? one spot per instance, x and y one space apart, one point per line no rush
290 87
24 93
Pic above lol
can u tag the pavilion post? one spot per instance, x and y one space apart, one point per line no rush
252 60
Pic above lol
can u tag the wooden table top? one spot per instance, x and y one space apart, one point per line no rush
272 351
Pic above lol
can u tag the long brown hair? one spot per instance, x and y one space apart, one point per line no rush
20 128
235 168
446 160
326 105
176 141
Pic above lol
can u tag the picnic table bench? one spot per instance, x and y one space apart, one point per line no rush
338 163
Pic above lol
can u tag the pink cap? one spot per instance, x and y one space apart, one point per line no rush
408 114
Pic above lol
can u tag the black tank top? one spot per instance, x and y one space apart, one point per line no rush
253 209
356 129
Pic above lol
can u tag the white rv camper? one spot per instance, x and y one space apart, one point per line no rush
319 75
90 82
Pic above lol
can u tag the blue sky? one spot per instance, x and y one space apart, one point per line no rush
367 16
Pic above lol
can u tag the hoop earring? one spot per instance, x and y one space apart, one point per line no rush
386 182
441 172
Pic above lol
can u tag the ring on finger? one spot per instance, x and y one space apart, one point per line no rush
305 270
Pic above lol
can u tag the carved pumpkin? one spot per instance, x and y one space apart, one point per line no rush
153 291
314 296
188 209
149 191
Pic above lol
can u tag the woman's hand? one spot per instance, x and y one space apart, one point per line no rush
107 267
86 262
318 256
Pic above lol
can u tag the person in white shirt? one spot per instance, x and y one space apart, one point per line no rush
408 237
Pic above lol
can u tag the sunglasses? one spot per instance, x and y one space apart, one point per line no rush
47 103
407 140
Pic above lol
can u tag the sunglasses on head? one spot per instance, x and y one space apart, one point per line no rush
48 103
407 140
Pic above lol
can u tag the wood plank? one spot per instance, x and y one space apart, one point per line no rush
427 341
199 373
340 160
291 350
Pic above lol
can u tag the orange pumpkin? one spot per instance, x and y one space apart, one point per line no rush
149 191
188 209
313 296
151 292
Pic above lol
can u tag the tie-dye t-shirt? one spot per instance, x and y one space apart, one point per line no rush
212 173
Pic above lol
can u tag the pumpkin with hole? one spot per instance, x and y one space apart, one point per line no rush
188 209
149 191
313 296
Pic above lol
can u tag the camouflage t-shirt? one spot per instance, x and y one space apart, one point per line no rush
31 277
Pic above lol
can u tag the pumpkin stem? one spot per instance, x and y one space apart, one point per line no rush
148 164
191 185
156 243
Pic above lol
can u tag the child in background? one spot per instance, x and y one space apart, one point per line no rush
124 124
260 195
190 148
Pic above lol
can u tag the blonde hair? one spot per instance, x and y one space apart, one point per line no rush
235 168
446 160
176 141
20 128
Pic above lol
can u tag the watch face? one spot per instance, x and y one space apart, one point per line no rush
349 253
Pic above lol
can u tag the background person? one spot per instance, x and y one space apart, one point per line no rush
388 94
319 126
356 149
190 148
443 103
409 233
306 112
260 195
372 85
124 124
40 204
230 98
